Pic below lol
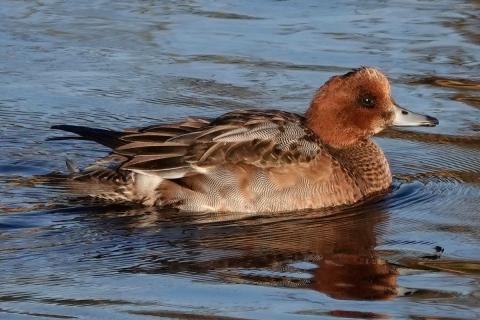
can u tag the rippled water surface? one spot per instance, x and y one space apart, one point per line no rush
411 254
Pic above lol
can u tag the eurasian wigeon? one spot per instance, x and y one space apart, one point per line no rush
257 160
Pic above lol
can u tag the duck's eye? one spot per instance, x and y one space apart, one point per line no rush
367 101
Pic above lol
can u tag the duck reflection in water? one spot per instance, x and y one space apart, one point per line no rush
332 254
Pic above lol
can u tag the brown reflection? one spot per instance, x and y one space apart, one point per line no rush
352 276
471 100
333 254
468 23
457 83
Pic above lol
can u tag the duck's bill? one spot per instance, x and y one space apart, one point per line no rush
407 118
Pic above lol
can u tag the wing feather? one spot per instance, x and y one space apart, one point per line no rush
152 148
265 139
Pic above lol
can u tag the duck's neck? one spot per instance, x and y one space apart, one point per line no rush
367 164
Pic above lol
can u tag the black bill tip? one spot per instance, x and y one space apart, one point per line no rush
431 121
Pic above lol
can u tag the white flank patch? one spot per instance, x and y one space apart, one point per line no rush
146 184
203 170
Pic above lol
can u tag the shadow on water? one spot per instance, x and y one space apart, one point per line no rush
330 251
303 250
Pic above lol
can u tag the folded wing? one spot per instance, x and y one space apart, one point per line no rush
264 139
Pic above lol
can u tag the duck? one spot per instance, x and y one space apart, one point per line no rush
255 160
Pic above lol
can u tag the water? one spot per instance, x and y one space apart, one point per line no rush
411 254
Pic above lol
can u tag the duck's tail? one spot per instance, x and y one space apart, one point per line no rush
109 138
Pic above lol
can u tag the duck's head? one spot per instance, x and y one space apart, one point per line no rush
352 107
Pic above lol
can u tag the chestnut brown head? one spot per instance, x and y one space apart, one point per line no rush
352 107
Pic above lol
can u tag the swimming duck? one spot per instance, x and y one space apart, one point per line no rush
257 160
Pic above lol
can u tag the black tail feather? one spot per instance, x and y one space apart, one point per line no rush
108 138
